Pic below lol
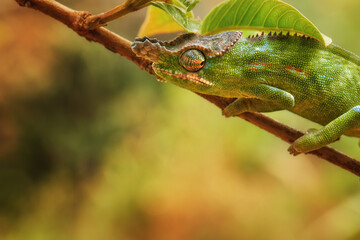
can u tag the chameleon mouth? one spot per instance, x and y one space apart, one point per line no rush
192 77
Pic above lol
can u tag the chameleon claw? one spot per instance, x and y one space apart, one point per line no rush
231 110
227 114
293 151
311 130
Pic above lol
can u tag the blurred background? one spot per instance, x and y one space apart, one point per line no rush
91 147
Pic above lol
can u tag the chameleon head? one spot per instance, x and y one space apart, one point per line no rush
185 60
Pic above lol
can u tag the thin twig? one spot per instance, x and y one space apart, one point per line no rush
76 21
98 20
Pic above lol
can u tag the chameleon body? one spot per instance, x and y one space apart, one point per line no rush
267 72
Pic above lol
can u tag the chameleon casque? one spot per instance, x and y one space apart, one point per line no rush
267 72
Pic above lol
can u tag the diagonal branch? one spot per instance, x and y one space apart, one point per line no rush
76 20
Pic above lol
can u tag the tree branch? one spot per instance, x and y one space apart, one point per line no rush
76 20
128 6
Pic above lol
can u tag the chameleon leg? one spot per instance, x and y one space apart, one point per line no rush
328 134
262 98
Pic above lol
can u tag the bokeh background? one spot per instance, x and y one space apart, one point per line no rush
91 147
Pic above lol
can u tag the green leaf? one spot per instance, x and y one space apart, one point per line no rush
187 4
259 15
157 22
183 17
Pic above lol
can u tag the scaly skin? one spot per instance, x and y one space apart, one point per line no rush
267 73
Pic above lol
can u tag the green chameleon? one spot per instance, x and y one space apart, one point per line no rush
267 72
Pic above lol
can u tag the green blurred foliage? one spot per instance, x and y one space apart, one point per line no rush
94 148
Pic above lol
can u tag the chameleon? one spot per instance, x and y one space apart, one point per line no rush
265 73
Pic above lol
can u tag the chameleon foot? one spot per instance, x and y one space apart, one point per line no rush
228 114
234 108
293 151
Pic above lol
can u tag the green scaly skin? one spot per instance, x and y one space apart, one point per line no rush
267 73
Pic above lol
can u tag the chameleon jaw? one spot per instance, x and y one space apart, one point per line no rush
192 77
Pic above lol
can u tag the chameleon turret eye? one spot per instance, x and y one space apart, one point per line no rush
192 60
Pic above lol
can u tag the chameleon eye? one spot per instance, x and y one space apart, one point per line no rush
192 60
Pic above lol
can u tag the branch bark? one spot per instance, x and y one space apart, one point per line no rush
128 6
77 21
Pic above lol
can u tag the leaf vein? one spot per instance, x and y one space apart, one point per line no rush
246 11
225 13
269 13
282 15
257 11
237 11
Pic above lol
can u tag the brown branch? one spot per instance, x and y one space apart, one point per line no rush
76 20
127 7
